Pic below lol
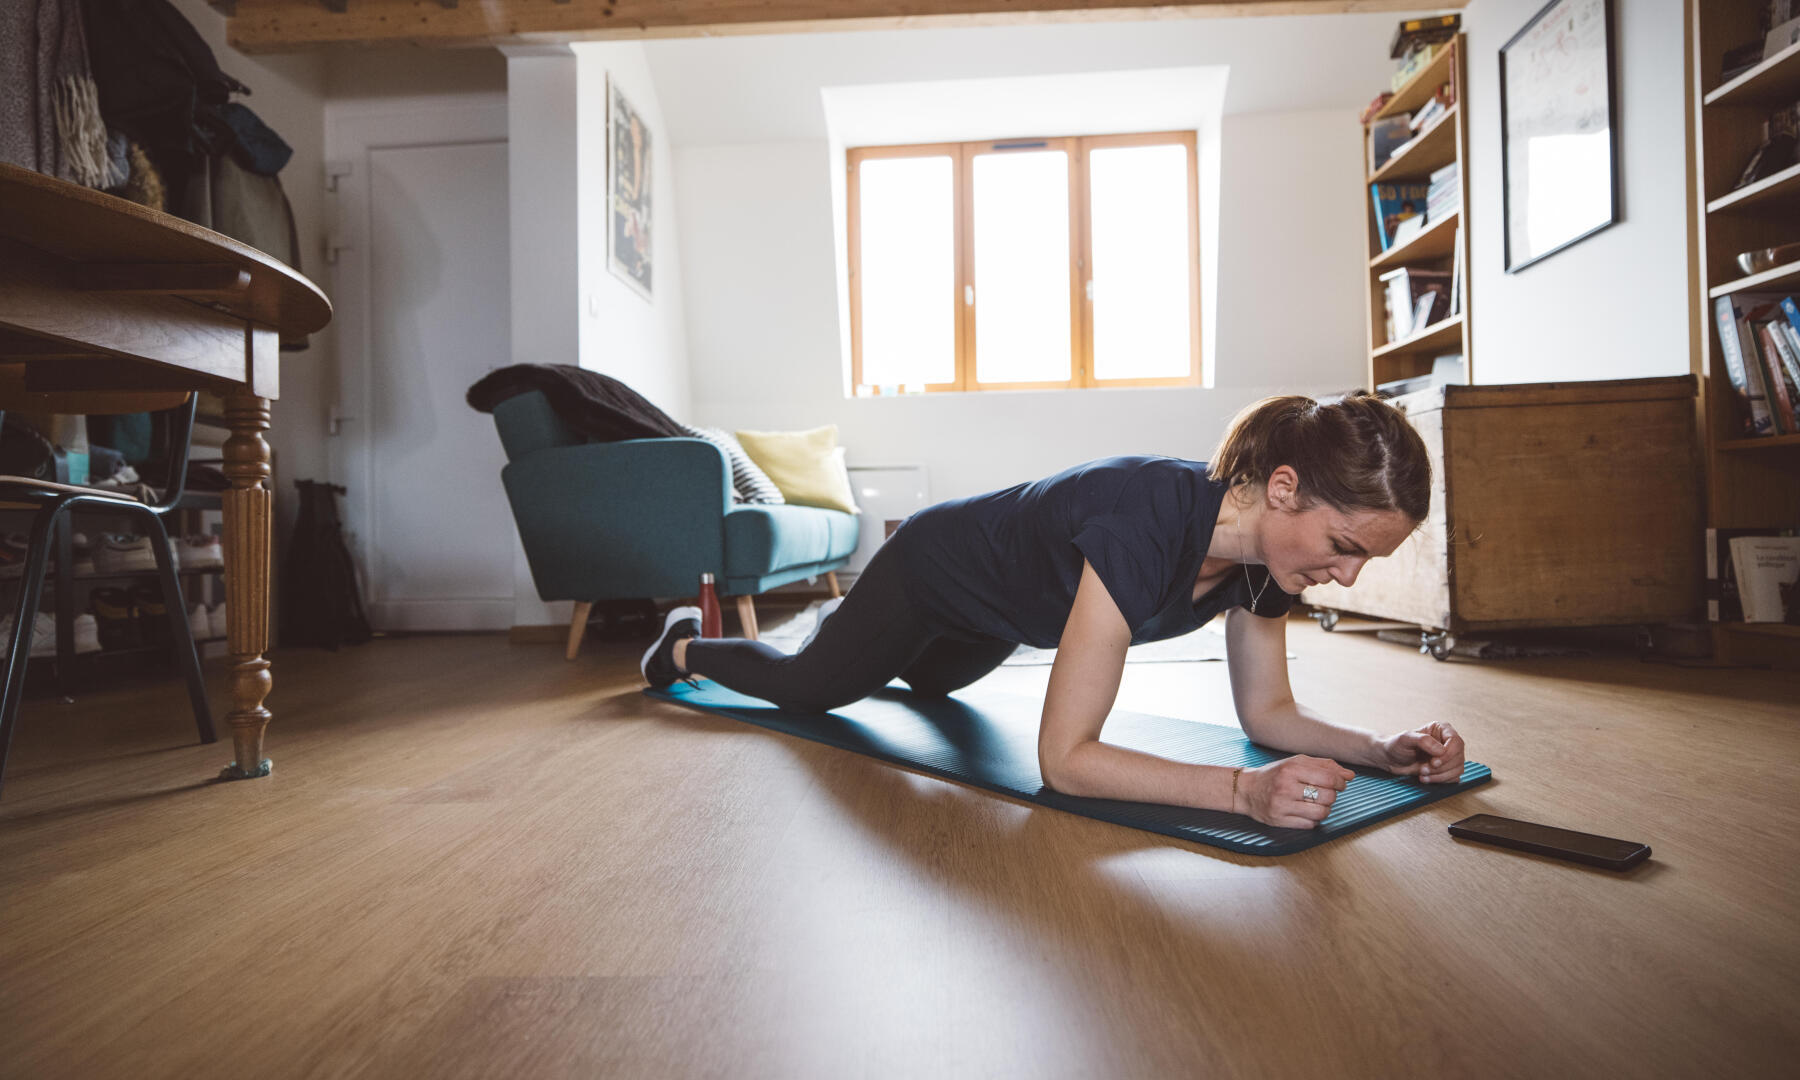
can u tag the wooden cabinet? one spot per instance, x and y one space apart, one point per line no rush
1552 504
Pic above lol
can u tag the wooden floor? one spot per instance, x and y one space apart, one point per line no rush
475 859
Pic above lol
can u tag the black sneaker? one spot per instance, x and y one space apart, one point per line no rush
658 664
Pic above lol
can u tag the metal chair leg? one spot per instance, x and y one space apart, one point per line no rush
18 654
63 545
181 635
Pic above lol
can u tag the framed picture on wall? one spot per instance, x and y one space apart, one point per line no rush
627 192
1558 130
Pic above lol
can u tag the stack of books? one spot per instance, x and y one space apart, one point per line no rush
1418 41
1415 298
1444 195
1753 576
1759 337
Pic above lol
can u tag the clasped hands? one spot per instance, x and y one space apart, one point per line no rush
1277 793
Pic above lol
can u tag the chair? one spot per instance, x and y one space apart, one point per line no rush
646 517
53 502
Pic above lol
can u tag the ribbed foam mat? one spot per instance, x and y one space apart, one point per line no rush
989 739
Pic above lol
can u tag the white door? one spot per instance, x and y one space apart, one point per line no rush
424 302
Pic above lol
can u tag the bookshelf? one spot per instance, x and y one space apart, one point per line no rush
1751 482
1444 242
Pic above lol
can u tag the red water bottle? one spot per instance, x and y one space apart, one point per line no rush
710 624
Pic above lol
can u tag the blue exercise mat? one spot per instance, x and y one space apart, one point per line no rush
989 739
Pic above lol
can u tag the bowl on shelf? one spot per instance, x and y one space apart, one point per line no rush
1755 262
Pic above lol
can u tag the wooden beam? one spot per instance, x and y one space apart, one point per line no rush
262 26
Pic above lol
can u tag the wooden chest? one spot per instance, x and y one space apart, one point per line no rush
1552 504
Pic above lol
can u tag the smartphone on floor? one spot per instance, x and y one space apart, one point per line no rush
1558 843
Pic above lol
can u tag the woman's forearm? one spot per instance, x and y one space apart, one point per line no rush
1098 770
1295 728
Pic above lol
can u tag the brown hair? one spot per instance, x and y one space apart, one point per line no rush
1353 453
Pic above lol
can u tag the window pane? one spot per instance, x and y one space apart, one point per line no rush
908 266
1022 267
1141 287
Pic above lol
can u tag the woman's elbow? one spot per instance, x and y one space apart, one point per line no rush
1058 772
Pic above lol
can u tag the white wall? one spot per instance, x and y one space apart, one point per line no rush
567 307
753 180
763 327
1615 305
642 342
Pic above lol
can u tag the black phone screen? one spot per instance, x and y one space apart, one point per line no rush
1548 840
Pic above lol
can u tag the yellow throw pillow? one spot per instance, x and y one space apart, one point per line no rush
808 466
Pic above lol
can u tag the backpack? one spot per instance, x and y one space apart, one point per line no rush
321 603
24 451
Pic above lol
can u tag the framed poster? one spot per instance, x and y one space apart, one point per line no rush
1558 130
627 192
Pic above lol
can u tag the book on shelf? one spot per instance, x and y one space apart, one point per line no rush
1740 59
1408 229
1443 191
1415 61
1751 404
1431 111
1781 37
1379 103
1787 340
1386 134
1395 203
1767 569
1447 370
1722 601
1404 288
1456 274
1781 402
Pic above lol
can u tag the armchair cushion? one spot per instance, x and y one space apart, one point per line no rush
764 539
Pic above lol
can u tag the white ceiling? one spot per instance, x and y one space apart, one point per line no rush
768 88
1090 103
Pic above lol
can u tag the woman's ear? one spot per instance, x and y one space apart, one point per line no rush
1283 488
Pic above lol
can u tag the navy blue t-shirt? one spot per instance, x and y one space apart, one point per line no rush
1006 564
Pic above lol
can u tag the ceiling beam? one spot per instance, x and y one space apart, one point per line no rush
261 26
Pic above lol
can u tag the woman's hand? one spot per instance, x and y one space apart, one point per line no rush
1433 753
1275 794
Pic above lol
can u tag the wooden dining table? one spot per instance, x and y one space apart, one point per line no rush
101 294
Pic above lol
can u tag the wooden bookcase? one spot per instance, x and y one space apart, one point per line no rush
1442 242
1751 483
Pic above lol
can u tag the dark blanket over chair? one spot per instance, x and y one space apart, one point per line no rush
598 406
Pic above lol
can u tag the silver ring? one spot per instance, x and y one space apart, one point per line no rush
1309 793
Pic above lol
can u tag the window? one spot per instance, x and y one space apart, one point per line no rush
1025 264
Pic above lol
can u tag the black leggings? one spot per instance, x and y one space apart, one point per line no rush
872 637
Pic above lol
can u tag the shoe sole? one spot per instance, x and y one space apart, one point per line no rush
678 615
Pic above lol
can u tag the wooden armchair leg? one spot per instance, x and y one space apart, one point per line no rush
747 616
831 579
578 628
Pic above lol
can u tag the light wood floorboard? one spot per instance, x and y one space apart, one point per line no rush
477 859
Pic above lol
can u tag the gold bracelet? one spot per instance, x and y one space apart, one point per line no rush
1234 776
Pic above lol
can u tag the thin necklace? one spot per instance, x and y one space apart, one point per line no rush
1248 585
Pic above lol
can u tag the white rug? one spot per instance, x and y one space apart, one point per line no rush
1206 643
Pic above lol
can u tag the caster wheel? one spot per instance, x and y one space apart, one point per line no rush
1438 645
1328 621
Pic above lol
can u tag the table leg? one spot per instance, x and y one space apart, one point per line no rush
248 526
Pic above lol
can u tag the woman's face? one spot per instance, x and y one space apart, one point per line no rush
1321 544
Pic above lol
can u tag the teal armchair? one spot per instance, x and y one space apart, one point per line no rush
646 517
